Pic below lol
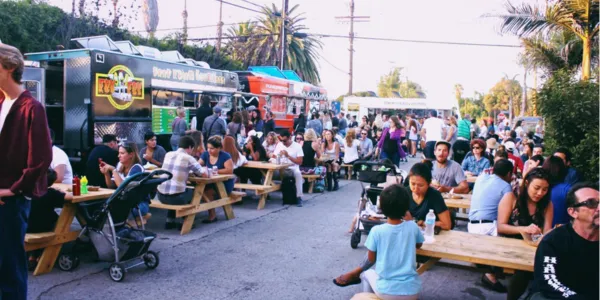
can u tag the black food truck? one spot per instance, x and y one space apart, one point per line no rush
118 88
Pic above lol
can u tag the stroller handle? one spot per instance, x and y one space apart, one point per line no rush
359 163
157 172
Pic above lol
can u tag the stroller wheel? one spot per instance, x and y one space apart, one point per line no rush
116 272
68 262
355 239
151 259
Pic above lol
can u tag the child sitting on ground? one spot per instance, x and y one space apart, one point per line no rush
392 248
42 217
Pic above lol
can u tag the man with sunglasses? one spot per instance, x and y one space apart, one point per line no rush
366 145
566 261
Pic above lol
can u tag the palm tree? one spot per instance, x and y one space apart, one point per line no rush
580 17
261 44
238 46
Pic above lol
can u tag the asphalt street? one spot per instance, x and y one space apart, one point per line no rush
281 252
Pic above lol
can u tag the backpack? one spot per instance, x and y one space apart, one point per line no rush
319 183
288 189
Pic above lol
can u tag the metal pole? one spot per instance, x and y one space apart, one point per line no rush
350 69
220 27
283 39
524 103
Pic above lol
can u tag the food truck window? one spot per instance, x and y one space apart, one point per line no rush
167 98
224 101
190 100
295 106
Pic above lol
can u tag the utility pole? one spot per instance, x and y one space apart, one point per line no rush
284 10
184 36
220 26
352 18
524 103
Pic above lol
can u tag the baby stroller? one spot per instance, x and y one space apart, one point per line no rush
113 240
369 215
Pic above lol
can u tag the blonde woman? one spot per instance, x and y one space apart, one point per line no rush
270 143
311 148
351 148
179 128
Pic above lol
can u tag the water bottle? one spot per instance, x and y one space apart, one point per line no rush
278 160
429 227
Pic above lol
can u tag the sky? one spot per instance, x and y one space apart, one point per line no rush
437 68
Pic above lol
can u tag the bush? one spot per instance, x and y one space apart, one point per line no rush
570 111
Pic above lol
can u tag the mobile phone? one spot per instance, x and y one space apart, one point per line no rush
102 164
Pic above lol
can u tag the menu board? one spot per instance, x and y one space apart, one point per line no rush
162 118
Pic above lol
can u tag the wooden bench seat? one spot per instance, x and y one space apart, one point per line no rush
310 178
237 195
34 241
158 204
348 170
259 189
38 238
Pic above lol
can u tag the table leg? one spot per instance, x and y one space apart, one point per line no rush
227 209
268 182
188 221
311 184
50 254
428 264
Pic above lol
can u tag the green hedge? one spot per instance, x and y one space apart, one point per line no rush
570 110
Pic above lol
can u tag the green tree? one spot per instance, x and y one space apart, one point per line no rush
52 26
577 16
390 86
570 110
260 44
497 99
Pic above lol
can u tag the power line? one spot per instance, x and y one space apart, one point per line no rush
328 62
252 3
419 41
242 7
322 35
198 27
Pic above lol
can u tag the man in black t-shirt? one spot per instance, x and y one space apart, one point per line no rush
109 155
566 261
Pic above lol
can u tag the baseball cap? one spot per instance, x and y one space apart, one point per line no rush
217 109
510 146
251 108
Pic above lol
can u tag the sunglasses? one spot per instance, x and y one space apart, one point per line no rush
476 148
589 203
363 133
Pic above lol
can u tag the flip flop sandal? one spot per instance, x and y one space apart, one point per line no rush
347 283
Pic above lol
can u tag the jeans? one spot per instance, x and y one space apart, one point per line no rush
13 259
395 158
429 150
176 199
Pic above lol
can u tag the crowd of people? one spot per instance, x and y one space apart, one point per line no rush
522 190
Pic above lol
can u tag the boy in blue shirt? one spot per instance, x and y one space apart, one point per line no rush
392 248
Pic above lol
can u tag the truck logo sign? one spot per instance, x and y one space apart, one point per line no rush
120 87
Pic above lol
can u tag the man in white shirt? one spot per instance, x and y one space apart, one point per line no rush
61 164
432 131
291 152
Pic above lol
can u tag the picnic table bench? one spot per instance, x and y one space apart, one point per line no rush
189 211
510 254
52 242
268 170
311 178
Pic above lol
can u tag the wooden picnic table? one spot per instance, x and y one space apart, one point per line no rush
189 211
52 241
268 170
463 202
510 254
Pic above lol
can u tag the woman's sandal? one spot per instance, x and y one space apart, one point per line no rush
342 283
